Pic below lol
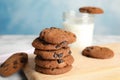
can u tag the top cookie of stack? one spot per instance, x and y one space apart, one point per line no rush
56 36
53 39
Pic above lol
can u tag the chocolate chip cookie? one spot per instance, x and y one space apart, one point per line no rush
53 54
42 45
91 10
98 52
54 71
58 63
57 36
13 64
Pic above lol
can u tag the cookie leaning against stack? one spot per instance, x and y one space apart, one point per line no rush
13 64
53 56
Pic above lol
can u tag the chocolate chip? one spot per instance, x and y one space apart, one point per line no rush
91 47
44 32
14 67
69 52
60 55
65 31
52 69
88 11
43 42
21 54
55 55
74 36
53 28
93 8
2 65
57 46
23 60
88 55
101 48
60 61
15 62
38 57
62 43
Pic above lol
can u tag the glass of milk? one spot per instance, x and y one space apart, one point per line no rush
82 25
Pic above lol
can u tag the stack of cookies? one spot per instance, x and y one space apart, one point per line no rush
53 55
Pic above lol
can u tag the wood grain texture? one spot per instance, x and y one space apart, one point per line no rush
83 68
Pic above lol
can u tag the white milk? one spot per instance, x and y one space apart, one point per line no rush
83 26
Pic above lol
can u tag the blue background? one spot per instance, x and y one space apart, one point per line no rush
31 16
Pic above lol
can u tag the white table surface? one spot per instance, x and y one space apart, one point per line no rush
10 44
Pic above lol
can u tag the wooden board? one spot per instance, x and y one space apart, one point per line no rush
83 68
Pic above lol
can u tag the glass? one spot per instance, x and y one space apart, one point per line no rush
82 25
